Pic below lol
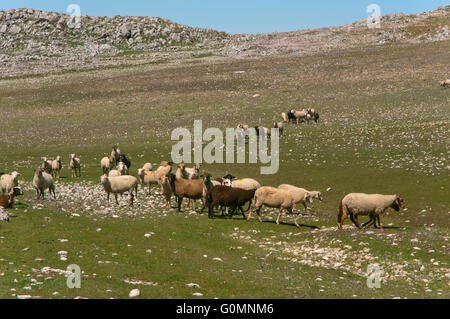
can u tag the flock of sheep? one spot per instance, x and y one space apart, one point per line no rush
227 193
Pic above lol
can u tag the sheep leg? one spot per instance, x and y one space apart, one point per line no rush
131 198
242 212
379 222
249 206
180 202
115 196
355 221
249 214
278 217
295 221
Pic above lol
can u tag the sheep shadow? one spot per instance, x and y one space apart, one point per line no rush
291 224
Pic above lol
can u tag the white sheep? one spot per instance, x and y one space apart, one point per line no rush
284 117
75 165
106 164
46 164
301 195
244 183
445 83
372 205
56 167
122 168
8 182
114 173
279 126
300 116
119 185
42 181
273 198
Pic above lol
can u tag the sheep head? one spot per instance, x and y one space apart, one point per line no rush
398 204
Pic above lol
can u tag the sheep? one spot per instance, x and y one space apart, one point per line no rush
244 183
7 201
167 186
445 83
372 205
126 160
262 131
313 115
114 173
8 182
46 164
226 196
42 181
56 167
192 189
147 167
284 117
291 116
243 127
106 164
192 173
300 116
119 185
122 168
4 216
150 178
115 155
301 195
75 165
279 126
274 198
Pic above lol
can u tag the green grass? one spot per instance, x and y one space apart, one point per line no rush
384 129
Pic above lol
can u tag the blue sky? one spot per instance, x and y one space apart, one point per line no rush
237 16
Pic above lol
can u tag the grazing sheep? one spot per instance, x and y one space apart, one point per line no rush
279 126
291 116
192 173
8 182
445 83
115 155
313 115
316 194
301 195
7 201
273 198
56 167
119 185
106 165
75 165
122 168
4 216
46 165
284 117
300 116
372 205
226 196
42 181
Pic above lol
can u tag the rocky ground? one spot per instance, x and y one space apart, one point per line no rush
36 42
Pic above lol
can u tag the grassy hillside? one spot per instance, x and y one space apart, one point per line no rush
384 129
